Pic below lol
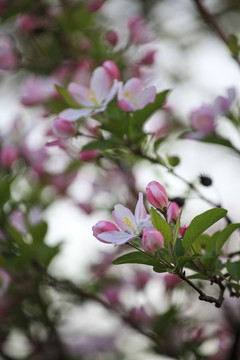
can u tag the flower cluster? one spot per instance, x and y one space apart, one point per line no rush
139 224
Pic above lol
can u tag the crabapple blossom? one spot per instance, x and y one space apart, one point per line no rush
203 119
9 155
152 240
111 69
112 37
157 195
173 212
63 128
92 99
222 104
89 155
132 96
183 230
131 224
139 32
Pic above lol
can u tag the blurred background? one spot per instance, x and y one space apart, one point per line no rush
169 44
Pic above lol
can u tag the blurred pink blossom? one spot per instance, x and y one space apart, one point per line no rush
132 95
8 57
171 281
112 37
63 128
139 32
9 154
203 119
89 155
37 89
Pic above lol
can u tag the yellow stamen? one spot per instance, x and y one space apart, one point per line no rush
92 96
128 94
127 222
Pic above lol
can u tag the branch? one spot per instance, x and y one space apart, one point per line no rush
210 20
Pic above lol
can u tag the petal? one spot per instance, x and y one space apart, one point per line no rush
134 85
147 96
125 219
100 83
112 92
74 114
80 94
115 237
140 211
126 104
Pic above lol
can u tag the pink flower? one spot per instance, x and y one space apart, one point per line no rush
152 240
93 99
148 57
89 155
139 32
131 225
103 227
157 195
183 230
203 119
132 96
171 281
37 89
9 155
63 128
95 5
112 37
222 104
173 212
112 69
8 58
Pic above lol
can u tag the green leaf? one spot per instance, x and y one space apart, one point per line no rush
182 260
100 145
233 269
161 225
176 229
198 276
224 235
136 257
173 160
179 250
39 232
140 116
66 96
201 223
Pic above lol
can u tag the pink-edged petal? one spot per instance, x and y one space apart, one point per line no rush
100 83
112 92
115 237
140 211
147 96
74 114
55 143
134 85
80 94
126 104
124 218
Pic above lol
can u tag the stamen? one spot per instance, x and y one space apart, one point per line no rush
127 222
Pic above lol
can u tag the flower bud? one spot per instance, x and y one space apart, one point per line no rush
95 5
173 212
9 155
103 226
148 58
152 240
63 128
112 37
89 155
157 195
112 69
183 230
171 281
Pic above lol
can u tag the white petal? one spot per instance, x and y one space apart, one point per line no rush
125 219
116 237
74 114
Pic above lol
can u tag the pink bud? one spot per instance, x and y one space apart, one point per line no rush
183 230
157 195
138 31
148 58
27 23
112 69
95 5
63 128
9 155
171 281
152 240
112 37
112 295
173 212
89 155
103 226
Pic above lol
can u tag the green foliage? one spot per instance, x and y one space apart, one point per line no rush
66 97
233 269
201 223
137 257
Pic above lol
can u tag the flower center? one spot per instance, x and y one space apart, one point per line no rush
127 222
128 94
92 96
